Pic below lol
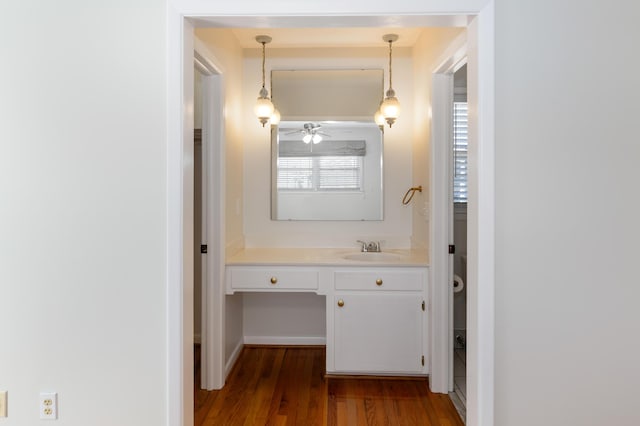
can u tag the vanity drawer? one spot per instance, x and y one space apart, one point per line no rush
264 278
383 279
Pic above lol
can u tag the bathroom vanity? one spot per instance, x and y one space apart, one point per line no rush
376 303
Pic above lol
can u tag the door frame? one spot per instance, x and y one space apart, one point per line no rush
441 232
441 264
481 239
213 192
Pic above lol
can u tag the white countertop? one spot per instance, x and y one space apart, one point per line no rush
325 256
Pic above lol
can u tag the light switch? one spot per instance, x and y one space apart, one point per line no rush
3 403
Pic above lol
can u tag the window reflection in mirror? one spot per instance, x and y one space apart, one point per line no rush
327 171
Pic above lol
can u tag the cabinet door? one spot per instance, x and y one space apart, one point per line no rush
378 333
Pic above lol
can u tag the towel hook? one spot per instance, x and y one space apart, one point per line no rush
410 193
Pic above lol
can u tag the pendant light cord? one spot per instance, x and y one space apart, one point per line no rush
390 85
263 63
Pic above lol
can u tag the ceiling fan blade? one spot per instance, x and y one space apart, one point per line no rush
293 132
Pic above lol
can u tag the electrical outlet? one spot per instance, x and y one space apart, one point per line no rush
3 403
48 406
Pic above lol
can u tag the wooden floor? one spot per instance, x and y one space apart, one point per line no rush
286 386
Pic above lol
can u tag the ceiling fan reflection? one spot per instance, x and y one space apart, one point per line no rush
310 133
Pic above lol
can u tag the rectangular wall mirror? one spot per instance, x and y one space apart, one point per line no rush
327 153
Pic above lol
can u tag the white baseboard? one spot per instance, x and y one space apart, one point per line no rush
284 340
233 358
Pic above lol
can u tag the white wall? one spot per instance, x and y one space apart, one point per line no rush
284 318
82 210
427 52
566 213
260 230
396 228
226 50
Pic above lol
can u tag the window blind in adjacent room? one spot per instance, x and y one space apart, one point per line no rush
460 148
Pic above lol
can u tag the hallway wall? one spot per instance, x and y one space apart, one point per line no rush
83 210
566 213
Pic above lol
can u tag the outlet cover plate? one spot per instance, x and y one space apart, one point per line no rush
48 405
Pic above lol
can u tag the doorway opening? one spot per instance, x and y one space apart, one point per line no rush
459 186
481 225
199 219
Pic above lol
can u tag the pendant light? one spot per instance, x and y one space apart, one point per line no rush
275 117
379 118
390 107
264 107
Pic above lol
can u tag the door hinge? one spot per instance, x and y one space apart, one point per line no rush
423 360
203 248
423 305
452 248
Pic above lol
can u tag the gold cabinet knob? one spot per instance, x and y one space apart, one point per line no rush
341 303
378 281
273 280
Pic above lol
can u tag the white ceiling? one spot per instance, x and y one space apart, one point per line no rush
328 31
326 37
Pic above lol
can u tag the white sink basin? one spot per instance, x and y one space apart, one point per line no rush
372 256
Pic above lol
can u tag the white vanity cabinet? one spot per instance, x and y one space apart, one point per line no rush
377 321
374 310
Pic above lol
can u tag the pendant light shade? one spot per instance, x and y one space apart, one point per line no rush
264 107
275 117
390 107
379 118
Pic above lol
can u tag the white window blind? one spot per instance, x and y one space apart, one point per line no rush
321 173
460 147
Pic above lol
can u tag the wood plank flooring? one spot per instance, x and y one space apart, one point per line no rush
286 386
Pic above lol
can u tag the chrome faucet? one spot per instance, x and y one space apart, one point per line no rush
371 246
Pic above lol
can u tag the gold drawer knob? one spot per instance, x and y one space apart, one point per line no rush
273 280
378 281
341 303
